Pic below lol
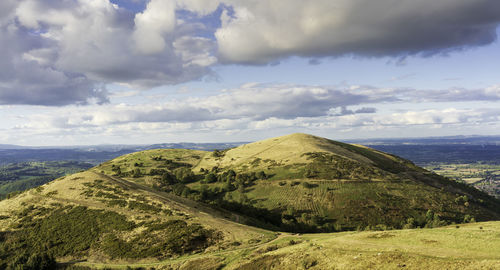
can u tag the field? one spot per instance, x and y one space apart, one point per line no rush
483 176
17 177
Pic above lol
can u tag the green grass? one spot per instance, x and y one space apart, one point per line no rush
163 206
175 237
340 186
68 231
471 246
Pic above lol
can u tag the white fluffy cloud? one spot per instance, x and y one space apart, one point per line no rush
233 114
63 52
153 25
266 105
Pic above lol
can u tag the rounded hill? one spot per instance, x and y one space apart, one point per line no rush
301 182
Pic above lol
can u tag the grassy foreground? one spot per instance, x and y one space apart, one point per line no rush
467 246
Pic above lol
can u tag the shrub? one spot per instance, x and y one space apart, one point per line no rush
65 231
174 237
210 178
308 185
184 175
168 179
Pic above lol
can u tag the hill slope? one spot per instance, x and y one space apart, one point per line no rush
470 246
305 183
95 217
159 205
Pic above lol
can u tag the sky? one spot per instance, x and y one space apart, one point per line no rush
86 72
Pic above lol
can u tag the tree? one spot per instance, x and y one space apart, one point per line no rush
210 178
184 175
218 153
168 179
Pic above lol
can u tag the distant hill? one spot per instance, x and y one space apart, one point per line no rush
11 146
93 154
211 209
17 177
446 140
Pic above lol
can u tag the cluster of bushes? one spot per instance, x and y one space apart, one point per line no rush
175 182
98 187
219 153
329 166
25 261
63 232
170 164
173 237
430 220
245 179
144 207
73 231
394 165
179 175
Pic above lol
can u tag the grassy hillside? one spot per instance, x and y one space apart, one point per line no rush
304 183
468 246
97 218
190 209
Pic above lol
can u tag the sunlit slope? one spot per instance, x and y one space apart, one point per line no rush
95 217
469 246
304 183
291 149
193 209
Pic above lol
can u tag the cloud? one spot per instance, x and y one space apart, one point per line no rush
63 52
256 109
264 105
260 32
152 25
407 94
27 78
250 102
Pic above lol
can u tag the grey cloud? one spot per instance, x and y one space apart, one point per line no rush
281 102
461 94
491 93
255 103
366 110
59 52
25 81
261 32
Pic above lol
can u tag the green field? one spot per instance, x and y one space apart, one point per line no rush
483 176
17 177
